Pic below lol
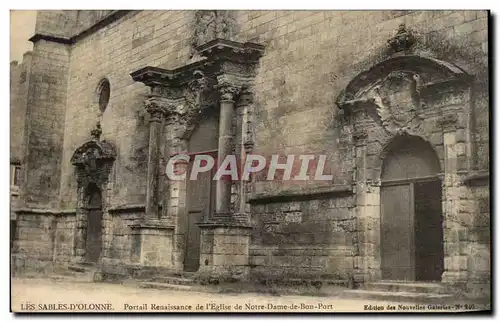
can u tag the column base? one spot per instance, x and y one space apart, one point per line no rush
152 244
455 279
225 249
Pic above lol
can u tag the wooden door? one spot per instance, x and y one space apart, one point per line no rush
397 233
429 253
199 208
94 227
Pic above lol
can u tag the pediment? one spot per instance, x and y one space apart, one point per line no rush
98 150
427 73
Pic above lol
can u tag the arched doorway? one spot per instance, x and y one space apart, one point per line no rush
411 212
93 244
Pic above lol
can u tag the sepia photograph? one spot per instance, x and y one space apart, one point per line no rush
250 161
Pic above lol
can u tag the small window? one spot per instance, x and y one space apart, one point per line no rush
104 92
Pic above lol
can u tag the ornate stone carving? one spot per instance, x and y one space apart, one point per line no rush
96 132
94 160
448 121
156 106
228 91
210 25
403 40
359 136
397 99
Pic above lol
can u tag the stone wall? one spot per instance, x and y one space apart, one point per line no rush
19 80
300 74
57 23
156 38
312 55
306 239
118 236
479 242
44 239
44 124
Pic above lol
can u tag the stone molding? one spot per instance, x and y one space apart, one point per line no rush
113 16
291 195
38 211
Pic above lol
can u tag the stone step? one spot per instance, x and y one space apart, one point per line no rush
413 297
188 275
63 271
173 280
77 268
82 267
412 287
73 278
162 286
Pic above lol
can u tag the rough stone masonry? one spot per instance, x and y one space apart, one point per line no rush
396 100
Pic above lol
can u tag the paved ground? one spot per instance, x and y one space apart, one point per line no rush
49 295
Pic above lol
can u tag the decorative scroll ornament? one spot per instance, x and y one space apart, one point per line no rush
403 40
397 98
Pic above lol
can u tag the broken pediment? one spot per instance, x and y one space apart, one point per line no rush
94 150
428 72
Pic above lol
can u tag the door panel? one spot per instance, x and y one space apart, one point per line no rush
94 235
94 225
192 258
397 233
199 206
429 254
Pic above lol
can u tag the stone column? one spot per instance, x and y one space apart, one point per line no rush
228 94
455 199
364 248
225 240
175 194
155 107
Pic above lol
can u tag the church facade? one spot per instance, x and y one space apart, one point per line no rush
397 101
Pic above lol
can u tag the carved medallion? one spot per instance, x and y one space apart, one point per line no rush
397 98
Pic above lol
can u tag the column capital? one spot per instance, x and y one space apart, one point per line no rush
156 106
229 91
